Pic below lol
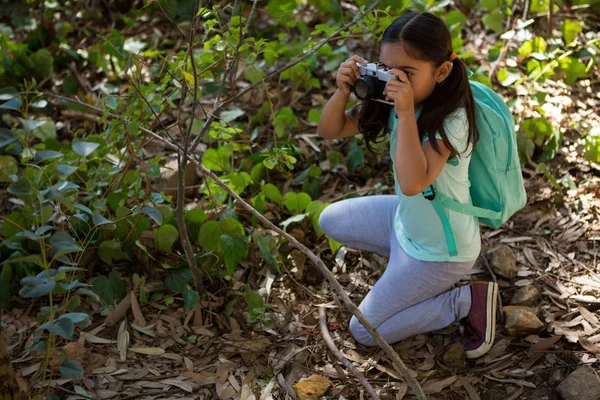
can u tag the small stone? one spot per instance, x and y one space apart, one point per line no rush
454 357
520 320
556 377
582 384
504 263
168 179
312 388
526 296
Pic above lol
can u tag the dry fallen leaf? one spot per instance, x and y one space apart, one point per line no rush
151 351
312 388
123 340
437 386
180 384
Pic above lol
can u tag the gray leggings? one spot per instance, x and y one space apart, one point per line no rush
411 297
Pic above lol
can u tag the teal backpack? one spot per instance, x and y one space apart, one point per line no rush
497 189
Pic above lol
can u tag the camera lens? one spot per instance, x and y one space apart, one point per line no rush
364 87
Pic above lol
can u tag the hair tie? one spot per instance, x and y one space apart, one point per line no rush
453 56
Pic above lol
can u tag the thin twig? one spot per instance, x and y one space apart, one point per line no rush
182 159
336 352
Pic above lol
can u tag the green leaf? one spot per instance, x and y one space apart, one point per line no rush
190 299
34 287
334 246
210 236
43 155
267 245
178 278
272 193
314 115
254 301
60 327
65 170
456 17
99 220
494 20
111 102
7 137
153 213
232 227
71 369
355 157
592 148
570 29
195 216
12 104
552 146
217 160
46 131
61 248
296 202
21 188
165 236
231 115
84 149
31 125
110 251
314 210
8 166
234 249
111 289
284 121
489 5
508 76
574 69
292 219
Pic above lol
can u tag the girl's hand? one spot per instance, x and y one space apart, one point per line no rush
348 72
400 92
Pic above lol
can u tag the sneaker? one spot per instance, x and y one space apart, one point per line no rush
481 320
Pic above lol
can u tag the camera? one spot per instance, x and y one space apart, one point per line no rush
372 81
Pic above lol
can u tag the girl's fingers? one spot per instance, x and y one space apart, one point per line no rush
346 79
348 72
358 59
352 66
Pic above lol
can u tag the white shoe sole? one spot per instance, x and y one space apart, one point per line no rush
490 331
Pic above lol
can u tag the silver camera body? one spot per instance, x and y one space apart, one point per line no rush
372 81
376 70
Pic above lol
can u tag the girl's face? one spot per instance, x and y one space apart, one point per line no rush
423 76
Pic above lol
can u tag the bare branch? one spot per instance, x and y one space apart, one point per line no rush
329 342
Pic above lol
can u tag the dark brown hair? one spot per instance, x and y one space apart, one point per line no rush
427 38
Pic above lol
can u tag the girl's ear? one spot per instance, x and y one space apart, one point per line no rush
443 71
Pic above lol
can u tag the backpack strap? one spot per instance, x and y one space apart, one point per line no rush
430 194
454 205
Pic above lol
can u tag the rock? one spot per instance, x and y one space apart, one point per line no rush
71 351
526 296
521 319
556 377
454 357
168 179
312 388
582 384
503 262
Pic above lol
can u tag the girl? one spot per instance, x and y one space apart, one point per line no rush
433 133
